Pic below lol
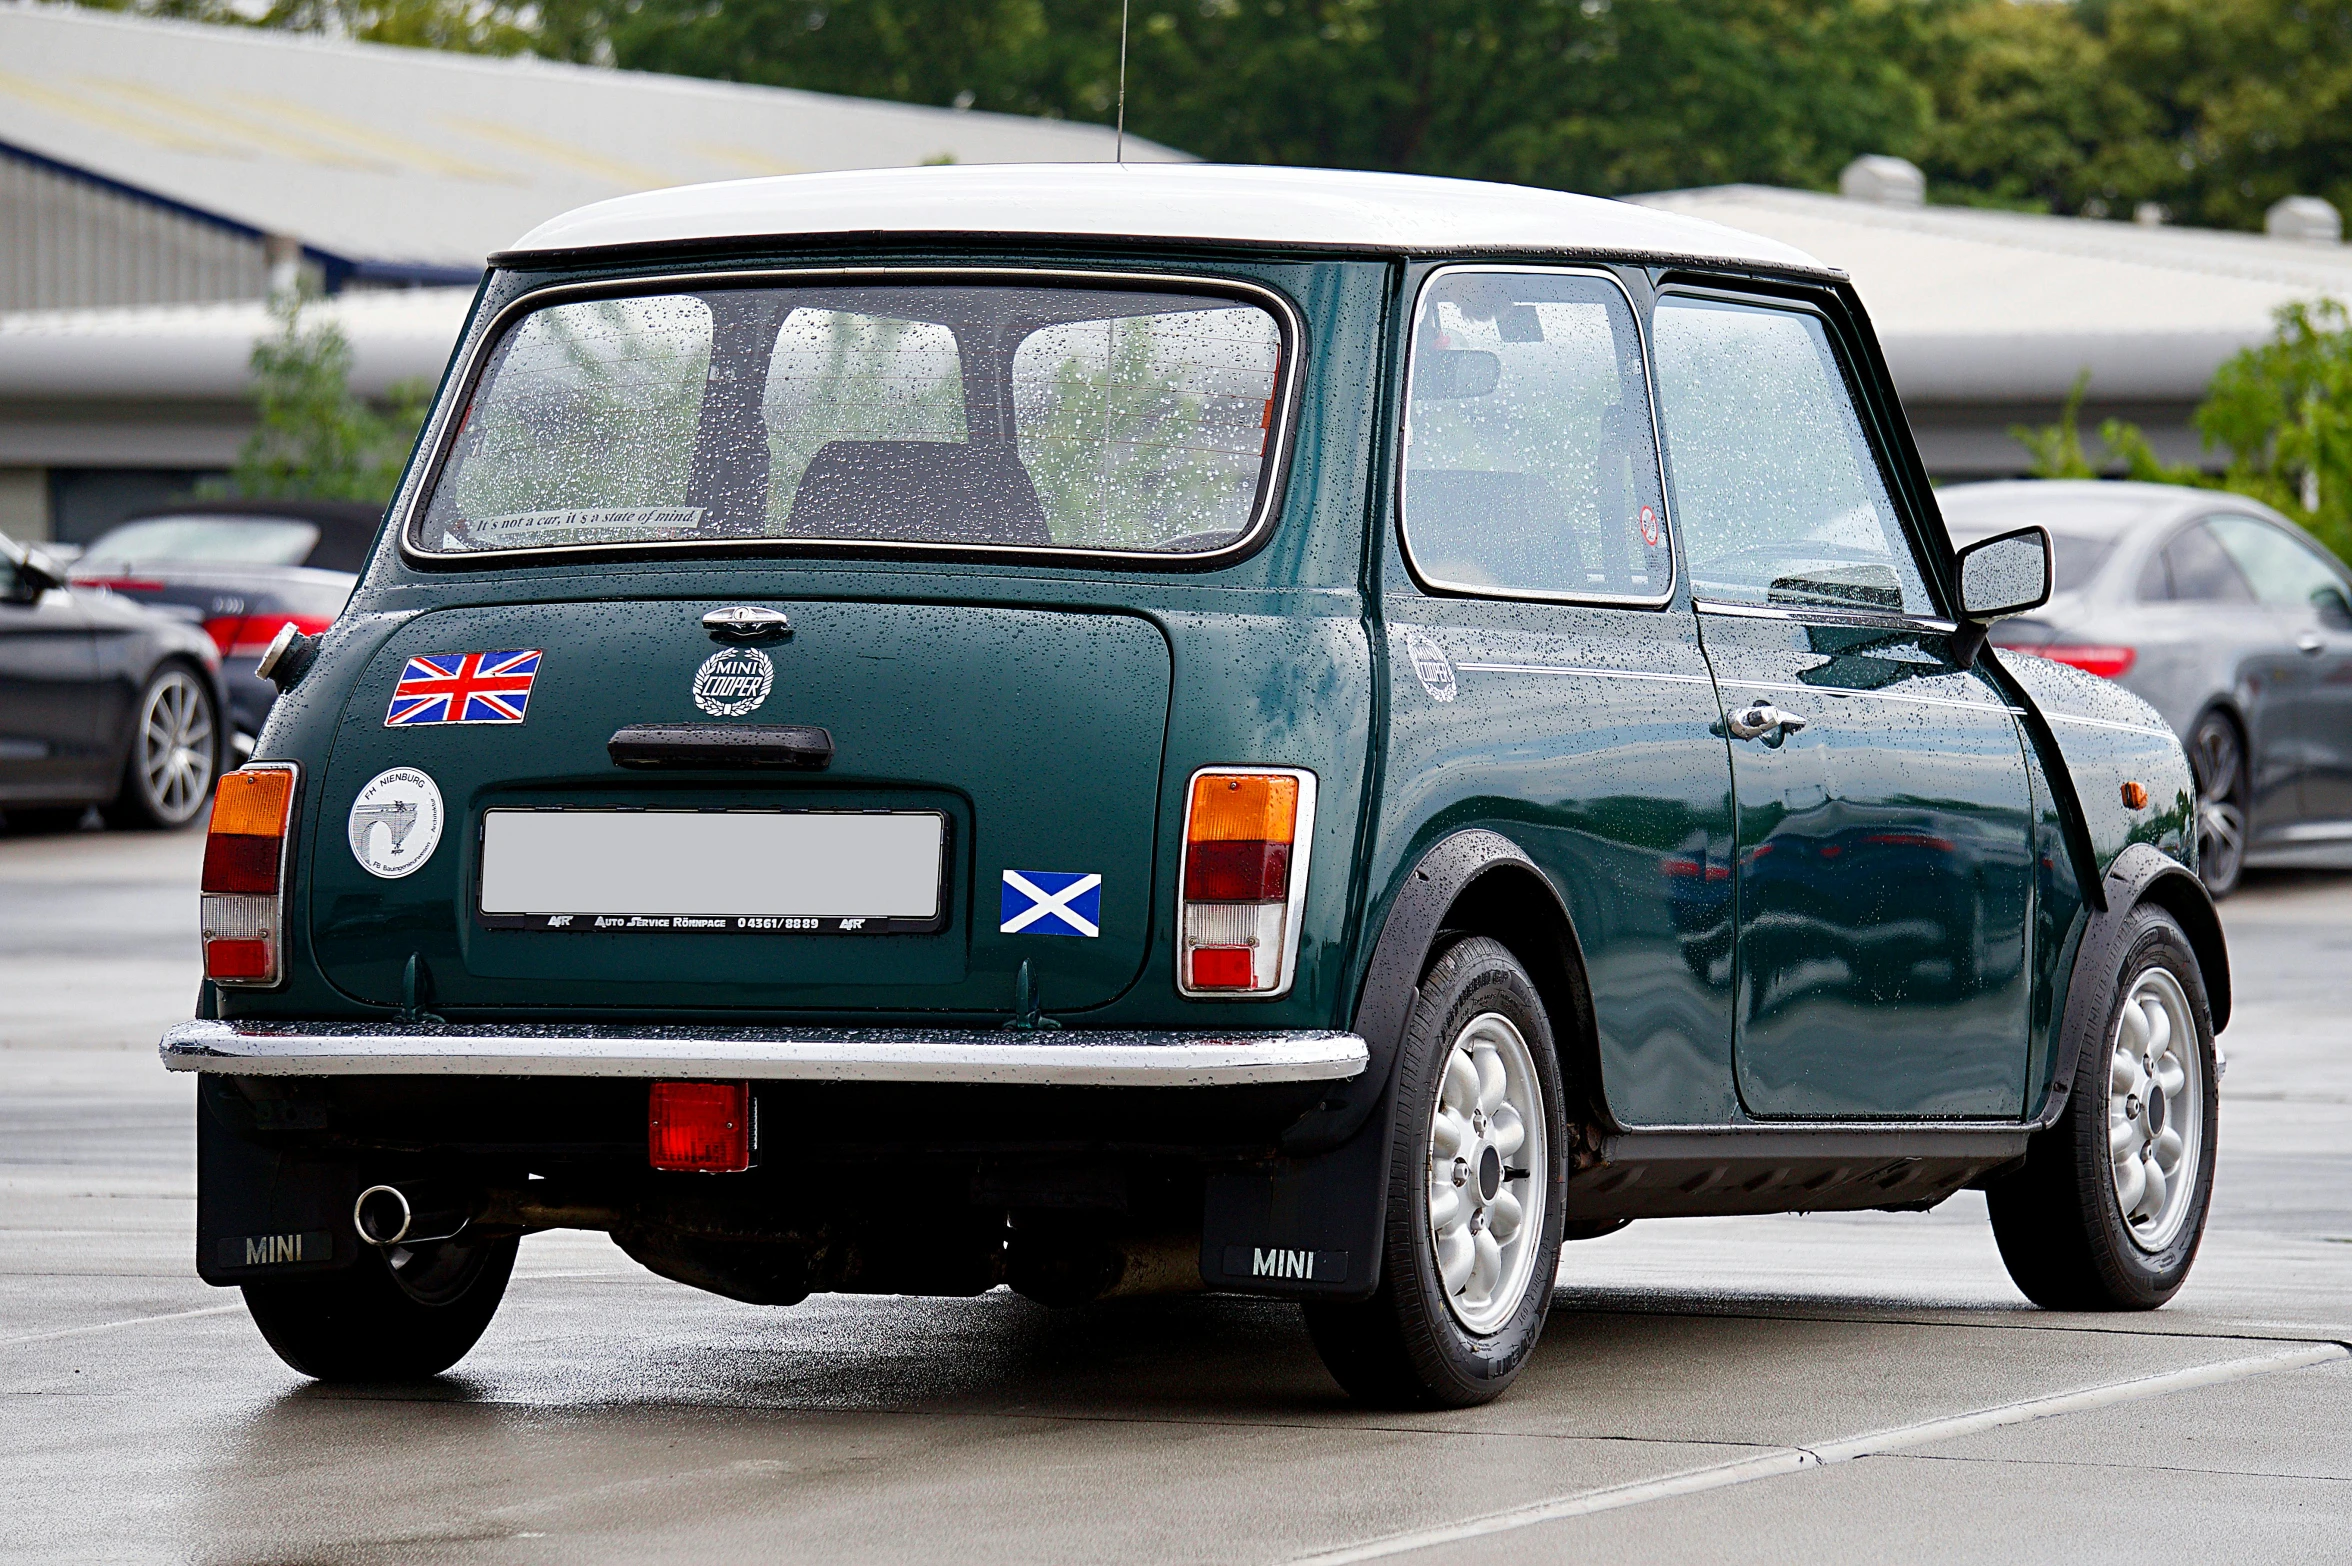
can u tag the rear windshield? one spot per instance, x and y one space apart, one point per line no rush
274 541
990 415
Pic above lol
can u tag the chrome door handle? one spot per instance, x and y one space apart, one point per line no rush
2311 645
1762 720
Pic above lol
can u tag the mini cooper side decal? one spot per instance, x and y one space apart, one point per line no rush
1050 902
1429 663
395 823
733 683
475 687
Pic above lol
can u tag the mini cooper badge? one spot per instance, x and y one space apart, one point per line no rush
395 823
733 682
1429 662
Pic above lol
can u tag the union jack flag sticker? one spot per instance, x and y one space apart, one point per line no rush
475 687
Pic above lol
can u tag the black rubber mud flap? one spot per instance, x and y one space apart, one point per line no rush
1310 1224
263 1212
1303 1228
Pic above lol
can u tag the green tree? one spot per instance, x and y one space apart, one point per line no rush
2283 408
313 437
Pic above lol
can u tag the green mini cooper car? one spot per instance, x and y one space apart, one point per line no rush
1110 730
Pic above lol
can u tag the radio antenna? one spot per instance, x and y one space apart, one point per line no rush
1119 143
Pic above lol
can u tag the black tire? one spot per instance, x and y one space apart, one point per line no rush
174 753
375 1322
2059 1220
1405 1347
2217 754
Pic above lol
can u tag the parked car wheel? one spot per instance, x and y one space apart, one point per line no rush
1477 1186
2219 758
392 1316
174 756
2108 1210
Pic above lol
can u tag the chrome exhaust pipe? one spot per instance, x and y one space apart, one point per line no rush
385 1216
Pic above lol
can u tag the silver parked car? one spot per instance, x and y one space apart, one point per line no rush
2228 619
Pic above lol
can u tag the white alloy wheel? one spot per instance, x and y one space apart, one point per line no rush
2155 1109
1487 1173
176 745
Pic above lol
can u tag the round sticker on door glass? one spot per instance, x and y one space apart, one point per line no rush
733 683
395 822
1649 526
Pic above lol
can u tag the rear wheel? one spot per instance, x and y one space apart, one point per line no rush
2109 1208
175 753
395 1315
2218 756
1475 1196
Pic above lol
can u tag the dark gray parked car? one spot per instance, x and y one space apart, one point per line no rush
2229 620
102 702
243 569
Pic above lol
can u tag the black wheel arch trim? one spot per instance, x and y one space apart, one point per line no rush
2141 874
1410 940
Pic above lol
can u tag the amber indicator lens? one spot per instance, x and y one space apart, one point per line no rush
2135 796
249 812
1230 808
699 1127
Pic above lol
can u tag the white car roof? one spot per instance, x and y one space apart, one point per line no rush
1320 208
2082 506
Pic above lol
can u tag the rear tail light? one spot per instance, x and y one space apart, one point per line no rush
249 635
2108 663
244 882
1246 834
699 1127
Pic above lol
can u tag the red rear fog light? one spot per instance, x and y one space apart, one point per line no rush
699 1127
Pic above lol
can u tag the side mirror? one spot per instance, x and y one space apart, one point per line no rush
1455 372
2334 611
31 573
2000 576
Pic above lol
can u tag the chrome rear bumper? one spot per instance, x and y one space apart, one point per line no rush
1072 1058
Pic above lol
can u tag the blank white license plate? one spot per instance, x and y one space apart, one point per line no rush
832 872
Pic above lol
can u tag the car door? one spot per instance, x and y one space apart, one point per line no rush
48 674
1883 809
2198 601
1545 675
2312 604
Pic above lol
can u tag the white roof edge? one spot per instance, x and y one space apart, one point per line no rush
1207 203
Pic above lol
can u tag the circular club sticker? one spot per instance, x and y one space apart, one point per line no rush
1649 526
395 822
732 683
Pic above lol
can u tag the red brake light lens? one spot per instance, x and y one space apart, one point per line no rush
699 1127
249 636
2108 663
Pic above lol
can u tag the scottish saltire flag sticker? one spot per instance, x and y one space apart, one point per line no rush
475 687
1051 902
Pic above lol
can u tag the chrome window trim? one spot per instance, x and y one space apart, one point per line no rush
1824 615
439 438
1641 338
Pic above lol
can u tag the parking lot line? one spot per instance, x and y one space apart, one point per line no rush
1777 1461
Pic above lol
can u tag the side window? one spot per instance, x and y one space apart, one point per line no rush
1529 465
2281 568
1776 490
2195 569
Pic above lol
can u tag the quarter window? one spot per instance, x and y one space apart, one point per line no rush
1776 489
2283 570
1529 465
2195 569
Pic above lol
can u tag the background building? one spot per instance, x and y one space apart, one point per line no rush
155 174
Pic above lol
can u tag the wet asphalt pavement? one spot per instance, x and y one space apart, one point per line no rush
1811 1389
